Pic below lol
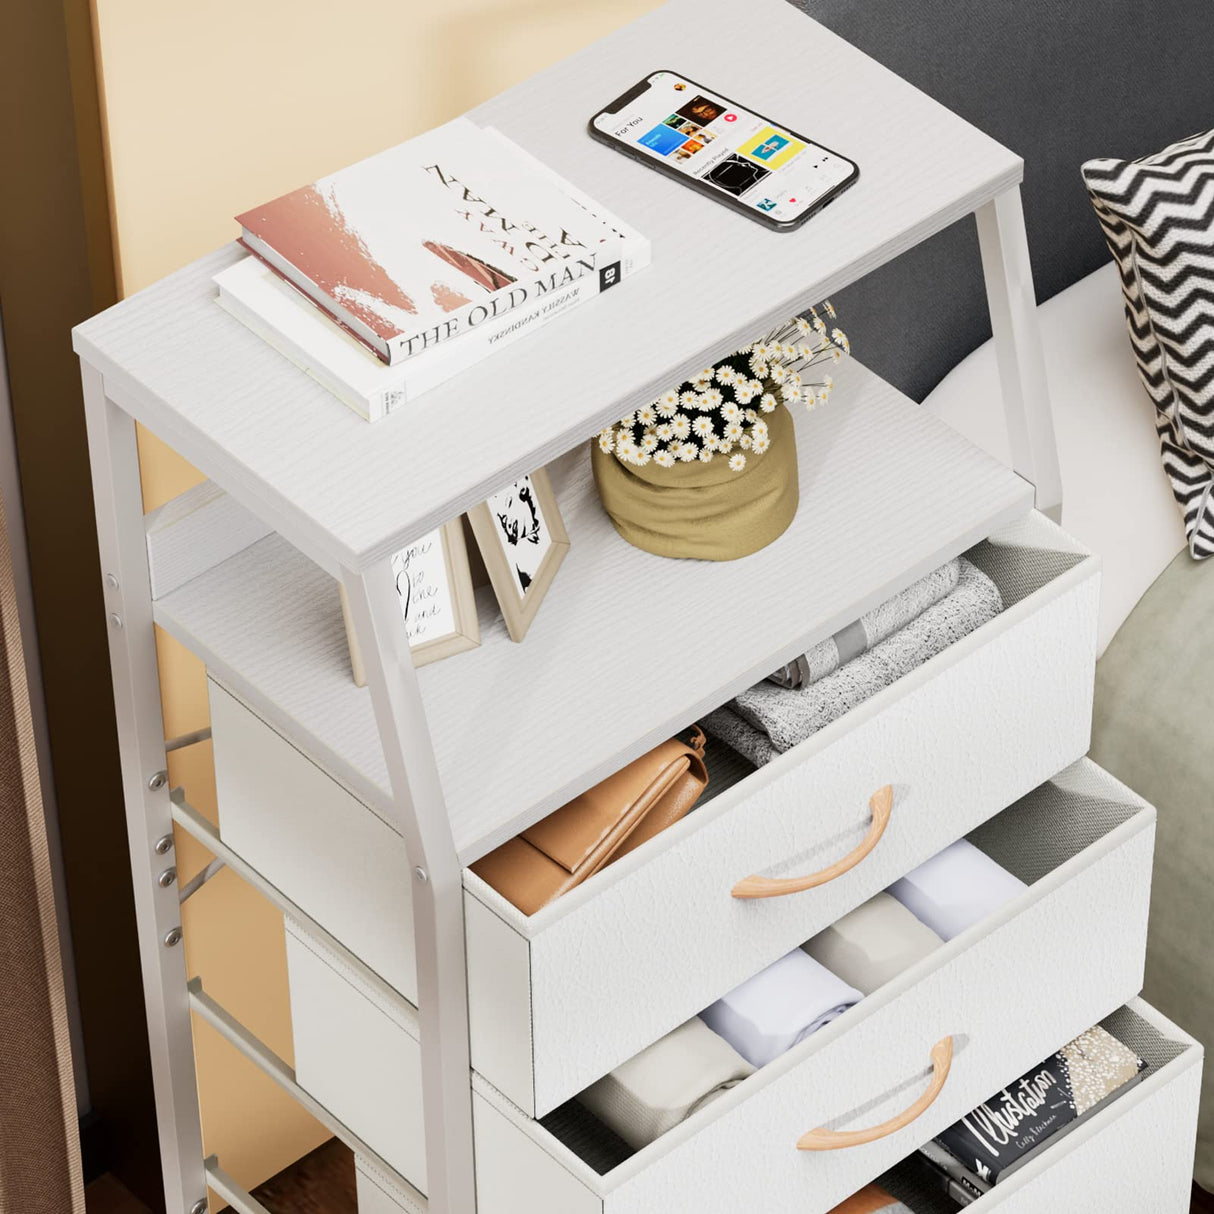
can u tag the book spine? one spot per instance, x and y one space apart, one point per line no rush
464 321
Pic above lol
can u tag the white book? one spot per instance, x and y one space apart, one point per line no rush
424 242
287 320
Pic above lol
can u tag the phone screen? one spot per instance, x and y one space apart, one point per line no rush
732 150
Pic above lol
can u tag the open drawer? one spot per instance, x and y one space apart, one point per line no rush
558 999
1135 1154
1040 970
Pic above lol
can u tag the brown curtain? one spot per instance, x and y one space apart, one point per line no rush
40 1171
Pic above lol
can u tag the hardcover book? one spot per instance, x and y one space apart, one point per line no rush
289 321
429 240
1003 1133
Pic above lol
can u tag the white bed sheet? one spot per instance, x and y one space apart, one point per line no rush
1116 498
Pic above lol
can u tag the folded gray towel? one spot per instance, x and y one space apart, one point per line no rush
873 943
766 720
665 1083
871 629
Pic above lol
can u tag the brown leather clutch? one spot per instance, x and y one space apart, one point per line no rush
603 824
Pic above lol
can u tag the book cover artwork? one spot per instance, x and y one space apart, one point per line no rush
415 245
1003 1131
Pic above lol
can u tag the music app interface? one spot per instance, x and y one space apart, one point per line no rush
731 149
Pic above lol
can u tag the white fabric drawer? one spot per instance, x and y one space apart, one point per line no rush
1010 989
1134 1155
558 999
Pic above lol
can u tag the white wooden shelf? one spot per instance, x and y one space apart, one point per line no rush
627 647
348 492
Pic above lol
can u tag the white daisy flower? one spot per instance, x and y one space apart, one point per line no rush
752 416
760 443
820 325
664 459
725 374
607 442
711 442
733 431
746 442
758 366
759 429
647 415
724 447
737 463
641 458
791 393
649 443
711 399
688 452
805 352
768 403
803 326
730 411
682 425
628 422
837 354
667 405
665 432
702 426
840 339
779 373
705 455
761 350
823 396
830 309
829 381
707 374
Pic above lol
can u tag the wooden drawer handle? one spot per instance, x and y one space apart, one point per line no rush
881 803
832 1140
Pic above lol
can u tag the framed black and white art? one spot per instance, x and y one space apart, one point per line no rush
522 541
434 583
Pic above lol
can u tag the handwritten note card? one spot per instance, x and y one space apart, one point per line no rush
425 592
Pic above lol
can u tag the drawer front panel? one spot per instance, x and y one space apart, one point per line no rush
320 846
656 938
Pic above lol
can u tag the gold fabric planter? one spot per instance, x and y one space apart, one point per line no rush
704 511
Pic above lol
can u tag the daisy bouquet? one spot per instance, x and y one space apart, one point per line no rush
723 411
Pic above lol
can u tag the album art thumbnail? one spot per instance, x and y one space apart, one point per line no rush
700 109
735 175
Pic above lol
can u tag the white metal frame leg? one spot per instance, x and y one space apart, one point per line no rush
1018 351
438 908
118 497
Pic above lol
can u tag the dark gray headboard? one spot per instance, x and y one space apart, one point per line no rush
1058 82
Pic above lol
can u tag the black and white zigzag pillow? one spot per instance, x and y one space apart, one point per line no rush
1158 217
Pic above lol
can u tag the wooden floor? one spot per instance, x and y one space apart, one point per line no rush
323 1183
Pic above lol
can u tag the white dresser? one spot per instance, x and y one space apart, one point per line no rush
440 1032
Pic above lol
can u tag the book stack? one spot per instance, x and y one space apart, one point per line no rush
1005 1132
390 276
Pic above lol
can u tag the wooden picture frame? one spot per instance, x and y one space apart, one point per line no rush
418 573
523 512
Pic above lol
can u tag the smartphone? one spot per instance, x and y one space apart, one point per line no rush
748 162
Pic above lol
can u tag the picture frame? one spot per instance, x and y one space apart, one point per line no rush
522 540
432 573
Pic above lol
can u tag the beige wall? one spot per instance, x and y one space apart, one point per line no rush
210 108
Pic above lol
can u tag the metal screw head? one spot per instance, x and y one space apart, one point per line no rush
199 1207
172 937
163 845
159 780
167 878
111 580
115 620
421 874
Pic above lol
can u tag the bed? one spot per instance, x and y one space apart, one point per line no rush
1062 84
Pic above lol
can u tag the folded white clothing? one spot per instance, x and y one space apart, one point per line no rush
665 1083
873 943
956 888
870 629
780 1006
766 720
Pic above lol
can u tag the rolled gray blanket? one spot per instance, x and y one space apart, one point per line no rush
665 1083
870 629
873 943
766 720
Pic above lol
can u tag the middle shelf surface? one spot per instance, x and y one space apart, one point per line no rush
627 647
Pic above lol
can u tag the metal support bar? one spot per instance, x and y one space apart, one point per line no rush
266 1060
194 884
437 891
195 825
188 739
128 605
1018 351
242 1201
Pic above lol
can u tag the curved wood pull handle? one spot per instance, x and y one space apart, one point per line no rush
881 803
832 1140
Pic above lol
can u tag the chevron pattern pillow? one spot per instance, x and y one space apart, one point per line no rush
1158 218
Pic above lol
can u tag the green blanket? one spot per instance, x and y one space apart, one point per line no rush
1153 728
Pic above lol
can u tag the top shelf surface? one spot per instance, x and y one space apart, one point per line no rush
348 493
